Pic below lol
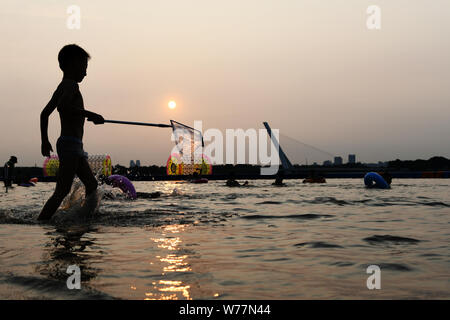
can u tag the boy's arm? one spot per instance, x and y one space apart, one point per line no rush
94 117
46 147
91 116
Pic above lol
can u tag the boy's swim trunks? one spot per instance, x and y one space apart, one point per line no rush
69 147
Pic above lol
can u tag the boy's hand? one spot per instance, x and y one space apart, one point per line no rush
46 147
96 118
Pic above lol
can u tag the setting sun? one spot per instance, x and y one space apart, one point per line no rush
172 104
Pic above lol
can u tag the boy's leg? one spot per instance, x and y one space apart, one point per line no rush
86 176
66 173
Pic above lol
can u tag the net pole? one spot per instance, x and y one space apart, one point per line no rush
161 125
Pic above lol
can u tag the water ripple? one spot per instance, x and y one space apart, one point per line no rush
376 239
317 245
292 216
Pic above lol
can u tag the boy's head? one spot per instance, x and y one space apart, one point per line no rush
13 159
73 61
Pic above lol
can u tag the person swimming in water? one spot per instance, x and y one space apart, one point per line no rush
387 177
279 179
139 195
67 99
231 182
195 176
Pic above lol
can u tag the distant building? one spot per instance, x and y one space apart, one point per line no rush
132 164
383 164
337 161
138 163
371 165
327 163
351 158
379 164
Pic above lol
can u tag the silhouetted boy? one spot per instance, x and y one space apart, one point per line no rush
67 98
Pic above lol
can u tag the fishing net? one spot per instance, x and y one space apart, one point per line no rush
187 157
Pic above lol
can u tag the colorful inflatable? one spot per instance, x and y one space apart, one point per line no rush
98 163
205 167
50 166
123 184
374 180
176 166
105 165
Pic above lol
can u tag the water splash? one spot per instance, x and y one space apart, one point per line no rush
77 207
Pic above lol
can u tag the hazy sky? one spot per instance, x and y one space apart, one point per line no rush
310 68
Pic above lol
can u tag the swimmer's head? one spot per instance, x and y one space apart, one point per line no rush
104 179
387 177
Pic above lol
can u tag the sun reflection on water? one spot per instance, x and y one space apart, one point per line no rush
172 262
176 263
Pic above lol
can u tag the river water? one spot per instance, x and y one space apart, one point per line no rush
209 241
